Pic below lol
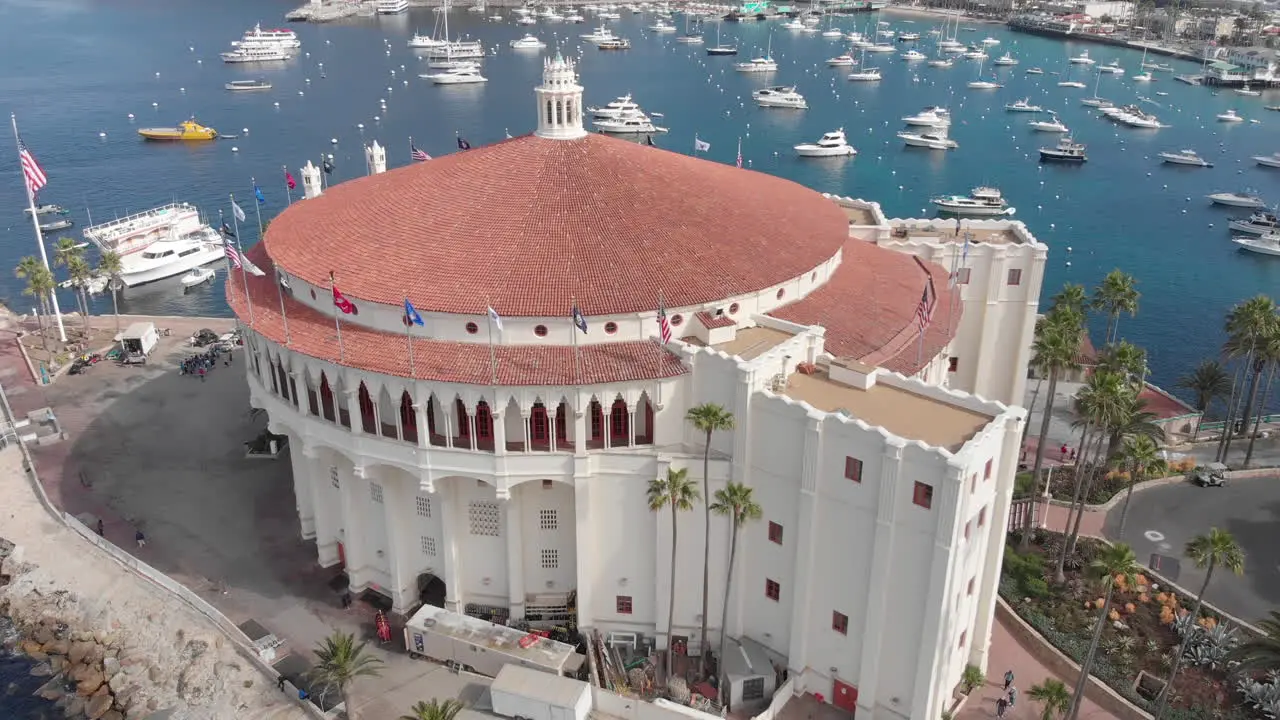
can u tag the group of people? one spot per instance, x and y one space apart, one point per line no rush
203 363
1010 696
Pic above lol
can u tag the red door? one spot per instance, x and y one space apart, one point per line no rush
342 555
846 697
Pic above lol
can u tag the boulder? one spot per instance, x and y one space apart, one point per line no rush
110 667
95 655
57 646
51 690
90 681
43 635
155 674
41 670
58 663
97 706
29 646
113 715
118 683
78 651
74 708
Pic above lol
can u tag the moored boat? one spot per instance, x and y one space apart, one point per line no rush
980 202
935 139
244 85
832 144
46 209
1259 223
187 131
60 224
1237 199
1023 105
1066 151
196 276
1185 157
1264 245
1272 160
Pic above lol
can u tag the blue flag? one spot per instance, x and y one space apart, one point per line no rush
257 192
463 144
411 316
579 320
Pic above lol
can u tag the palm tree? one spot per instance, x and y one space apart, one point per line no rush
1053 695
1098 403
707 418
1056 349
1115 561
70 254
40 284
1269 353
735 501
1139 456
340 660
1250 326
1117 294
1125 358
435 710
1209 381
679 493
1261 653
110 266
1208 551
1073 297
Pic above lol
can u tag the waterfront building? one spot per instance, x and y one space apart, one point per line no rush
495 458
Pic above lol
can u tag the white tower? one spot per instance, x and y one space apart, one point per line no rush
559 101
375 158
310 180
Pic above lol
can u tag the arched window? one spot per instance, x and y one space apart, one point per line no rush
433 435
561 435
326 397
313 403
460 414
539 430
368 414
559 113
597 423
568 111
484 426
285 390
618 418
548 112
408 418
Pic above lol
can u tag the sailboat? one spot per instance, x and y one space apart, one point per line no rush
456 49
1096 101
1069 83
981 84
694 38
721 49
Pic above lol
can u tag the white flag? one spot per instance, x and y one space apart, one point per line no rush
237 211
700 145
497 320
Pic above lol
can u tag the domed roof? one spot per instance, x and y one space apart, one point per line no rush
531 225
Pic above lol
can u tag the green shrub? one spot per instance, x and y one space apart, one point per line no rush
973 677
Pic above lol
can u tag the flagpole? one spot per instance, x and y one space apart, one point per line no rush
323 180
493 362
287 190
35 223
337 323
244 274
408 336
577 366
288 339
257 206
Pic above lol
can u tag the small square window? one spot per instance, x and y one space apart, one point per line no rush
853 469
772 589
623 604
1015 276
775 532
423 506
969 589
963 636
953 364
986 471
375 492
982 516
966 529
548 484
962 276
923 495
550 559
840 622
429 546
548 520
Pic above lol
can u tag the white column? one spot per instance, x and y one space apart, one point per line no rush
453 528
989 324
397 499
878 611
936 640
581 428
742 424
606 425
447 414
997 522
806 544
498 424
525 415
662 568
420 417
513 511
355 493
302 486
584 540
327 511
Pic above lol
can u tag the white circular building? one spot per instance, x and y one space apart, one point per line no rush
497 462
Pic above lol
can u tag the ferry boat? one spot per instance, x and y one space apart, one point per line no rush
1067 151
980 202
245 85
277 36
457 50
1237 199
780 96
256 54
187 130
1259 223
1185 157
158 243
832 144
392 7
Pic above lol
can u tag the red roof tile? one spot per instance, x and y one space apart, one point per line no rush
713 321
312 333
1164 405
868 308
531 225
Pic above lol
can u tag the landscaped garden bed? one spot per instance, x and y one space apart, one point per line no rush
1062 484
1141 637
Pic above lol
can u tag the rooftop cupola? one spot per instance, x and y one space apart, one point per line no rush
559 101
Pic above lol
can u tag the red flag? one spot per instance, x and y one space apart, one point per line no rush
340 301
288 179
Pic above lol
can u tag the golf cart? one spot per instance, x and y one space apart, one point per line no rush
1211 475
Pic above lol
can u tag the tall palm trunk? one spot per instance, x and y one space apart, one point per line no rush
1059 573
1025 542
1113 324
346 702
1255 377
724 615
1077 699
1237 395
1128 495
1035 395
671 607
706 554
1262 410
1163 698
115 308
1226 421
1090 474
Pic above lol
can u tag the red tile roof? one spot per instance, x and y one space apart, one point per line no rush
1164 405
713 321
531 225
312 333
868 308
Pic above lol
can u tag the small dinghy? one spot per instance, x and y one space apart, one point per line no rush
62 224
196 277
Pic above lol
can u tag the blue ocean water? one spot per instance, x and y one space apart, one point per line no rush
16 685
72 69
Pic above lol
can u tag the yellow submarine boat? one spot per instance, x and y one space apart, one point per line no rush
186 131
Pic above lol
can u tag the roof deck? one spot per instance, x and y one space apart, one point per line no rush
944 230
543 651
901 412
750 343
857 215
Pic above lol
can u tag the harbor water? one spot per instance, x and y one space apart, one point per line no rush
74 71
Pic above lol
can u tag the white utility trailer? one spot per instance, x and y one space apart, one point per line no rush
525 694
483 647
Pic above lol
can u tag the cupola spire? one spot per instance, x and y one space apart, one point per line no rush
559 101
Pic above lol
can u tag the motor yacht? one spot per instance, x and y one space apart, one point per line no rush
908 37
1185 157
1052 125
424 42
256 54
842 61
1066 151
279 36
833 33
1237 199
1230 116
757 65
974 53
865 75
1112 67
1072 84
1259 223
941 63
615 109
780 96
980 202
1005 60
599 35
933 117
1144 77
792 24
1265 245
633 124
158 243
1097 102
662 27
392 7
1272 161
858 40
186 131
1247 91
1083 59
528 42
934 139
245 85
914 55
691 39
458 76
614 44
1034 71
832 144
1023 105
990 42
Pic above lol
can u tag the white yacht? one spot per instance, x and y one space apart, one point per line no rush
984 85
908 36
1083 59
980 202
1144 77
527 20
1052 125
842 61
528 42
599 35
1034 71
1097 102
757 65
1238 199
1230 116
1259 223
914 55
1005 60
792 24
941 63
1023 105
662 27
1067 151
159 243
990 41
256 54
832 33
933 117
780 96
1272 161
458 76
1246 91
1265 245
452 65
1112 67
832 144
866 74
880 48
1185 157
975 54
1072 84
632 124
279 36
425 42
935 139
616 108
392 7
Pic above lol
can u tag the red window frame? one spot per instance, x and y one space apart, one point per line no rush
622 603
326 398
561 428
460 410
368 413
597 420
839 622
953 364
408 418
922 495
772 589
775 532
852 469
1014 277
618 420
539 430
484 421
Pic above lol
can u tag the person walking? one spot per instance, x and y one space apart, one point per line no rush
1008 680
201 373
1013 696
346 600
280 683
140 538
1002 706
102 529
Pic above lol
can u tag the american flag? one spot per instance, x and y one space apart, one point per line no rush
664 326
417 155
739 153
924 311
31 172
233 255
